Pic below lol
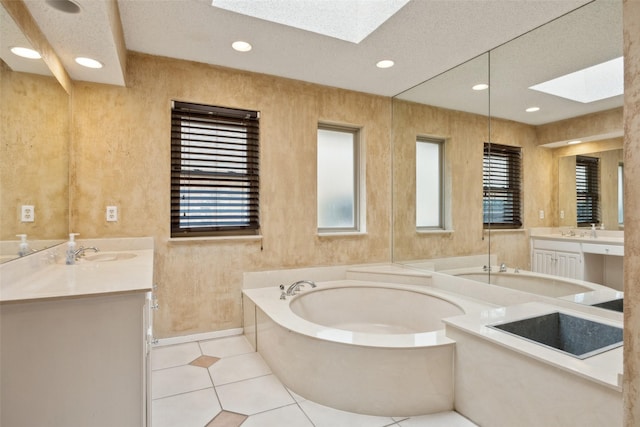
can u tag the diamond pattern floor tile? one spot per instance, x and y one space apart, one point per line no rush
204 361
227 419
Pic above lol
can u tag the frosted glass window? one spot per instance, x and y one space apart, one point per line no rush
429 183
620 194
337 179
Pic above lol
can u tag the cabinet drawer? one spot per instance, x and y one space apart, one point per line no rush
592 248
555 245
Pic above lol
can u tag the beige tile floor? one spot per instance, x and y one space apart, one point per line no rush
224 383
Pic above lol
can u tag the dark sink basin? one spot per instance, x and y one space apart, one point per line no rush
575 336
616 305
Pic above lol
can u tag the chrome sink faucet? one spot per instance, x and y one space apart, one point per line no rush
503 268
295 287
81 252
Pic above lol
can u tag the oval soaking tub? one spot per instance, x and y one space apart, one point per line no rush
530 282
365 347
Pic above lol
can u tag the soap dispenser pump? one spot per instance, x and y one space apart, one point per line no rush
71 249
23 248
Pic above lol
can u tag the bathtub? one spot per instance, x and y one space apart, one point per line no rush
530 282
364 347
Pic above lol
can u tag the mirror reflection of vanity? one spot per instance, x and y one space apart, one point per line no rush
587 36
34 150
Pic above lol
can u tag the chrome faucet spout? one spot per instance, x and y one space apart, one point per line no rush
503 268
80 252
295 287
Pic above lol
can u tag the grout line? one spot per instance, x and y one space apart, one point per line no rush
182 393
213 384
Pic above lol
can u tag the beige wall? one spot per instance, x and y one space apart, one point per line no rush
465 135
34 135
121 156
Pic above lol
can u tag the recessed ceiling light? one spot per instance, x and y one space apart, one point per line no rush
590 84
66 6
385 63
241 46
532 109
25 52
577 141
88 62
480 86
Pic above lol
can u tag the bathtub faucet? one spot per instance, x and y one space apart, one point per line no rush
294 287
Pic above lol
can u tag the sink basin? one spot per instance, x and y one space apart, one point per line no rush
575 336
108 257
616 305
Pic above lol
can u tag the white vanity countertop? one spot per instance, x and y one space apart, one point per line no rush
44 275
601 239
603 368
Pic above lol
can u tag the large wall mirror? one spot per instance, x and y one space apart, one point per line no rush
510 112
34 148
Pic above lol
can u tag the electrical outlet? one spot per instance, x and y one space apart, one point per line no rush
541 214
112 213
561 214
28 213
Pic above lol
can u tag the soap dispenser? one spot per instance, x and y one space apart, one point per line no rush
71 249
23 248
593 231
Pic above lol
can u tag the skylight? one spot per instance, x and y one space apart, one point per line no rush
349 20
591 84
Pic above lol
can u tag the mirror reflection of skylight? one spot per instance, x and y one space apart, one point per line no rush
349 20
591 84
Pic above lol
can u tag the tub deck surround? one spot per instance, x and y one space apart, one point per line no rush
45 275
383 371
602 369
502 380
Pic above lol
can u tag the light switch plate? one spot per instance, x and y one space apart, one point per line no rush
28 213
112 213
541 214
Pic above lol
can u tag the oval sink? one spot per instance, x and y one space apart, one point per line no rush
108 257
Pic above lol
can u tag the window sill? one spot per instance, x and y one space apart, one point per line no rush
505 230
342 234
434 231
213 239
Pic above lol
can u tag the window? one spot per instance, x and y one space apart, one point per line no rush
338 172
214 171
587 190
429 183
501 200
620 193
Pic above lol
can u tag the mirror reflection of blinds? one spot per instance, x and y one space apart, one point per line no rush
502 184
587 190
214 170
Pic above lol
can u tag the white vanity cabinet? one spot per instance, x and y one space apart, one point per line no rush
74 339
598 260
74 362
562 259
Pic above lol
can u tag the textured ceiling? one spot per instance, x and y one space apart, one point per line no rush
425 38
